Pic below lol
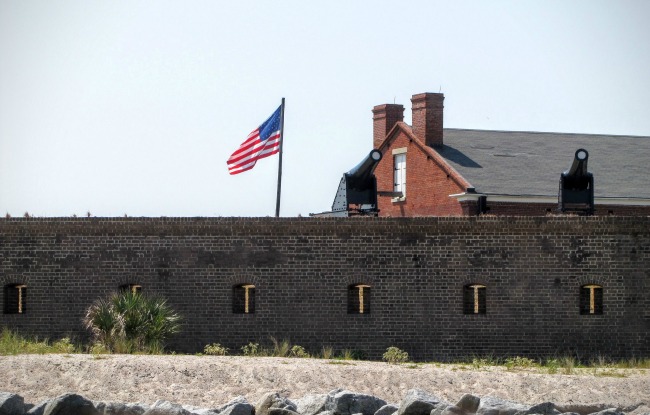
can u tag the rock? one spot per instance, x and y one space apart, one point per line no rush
609 411
161 407
469 403
70 403
311 404
495 406
442 408
273 400
281 411
387 410
452 410
234 401
200 411
581 409
204 412
546 408
11 404
418 402
238 406
348 403
113 408
37 409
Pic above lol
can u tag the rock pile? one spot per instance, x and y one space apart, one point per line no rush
337 402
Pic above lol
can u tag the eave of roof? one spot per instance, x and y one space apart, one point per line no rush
612 201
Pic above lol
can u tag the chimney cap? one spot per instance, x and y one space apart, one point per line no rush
428 95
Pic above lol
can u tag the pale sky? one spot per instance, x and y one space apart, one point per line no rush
133 107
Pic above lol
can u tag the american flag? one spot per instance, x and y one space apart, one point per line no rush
264 141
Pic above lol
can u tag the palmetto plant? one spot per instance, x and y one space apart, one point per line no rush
129 322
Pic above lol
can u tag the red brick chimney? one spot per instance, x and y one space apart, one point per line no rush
384 117
427 118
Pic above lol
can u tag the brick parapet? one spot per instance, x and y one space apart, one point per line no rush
152 226
301 267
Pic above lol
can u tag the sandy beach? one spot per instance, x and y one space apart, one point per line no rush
210 381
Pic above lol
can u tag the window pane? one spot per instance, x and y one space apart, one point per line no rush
400 173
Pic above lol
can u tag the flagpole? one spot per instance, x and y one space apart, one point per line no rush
277 202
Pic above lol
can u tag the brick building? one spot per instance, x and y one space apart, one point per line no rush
458 172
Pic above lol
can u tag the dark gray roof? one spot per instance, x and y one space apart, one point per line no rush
530 163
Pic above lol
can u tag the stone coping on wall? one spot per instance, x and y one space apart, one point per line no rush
162 226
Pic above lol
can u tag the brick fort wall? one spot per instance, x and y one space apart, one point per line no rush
532 267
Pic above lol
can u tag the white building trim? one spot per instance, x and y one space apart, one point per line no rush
619 201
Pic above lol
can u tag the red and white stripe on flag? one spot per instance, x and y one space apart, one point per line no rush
264 141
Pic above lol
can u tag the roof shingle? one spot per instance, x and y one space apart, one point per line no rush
530 163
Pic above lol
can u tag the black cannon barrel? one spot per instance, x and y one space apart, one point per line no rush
364 170
577 186
357 191
579 166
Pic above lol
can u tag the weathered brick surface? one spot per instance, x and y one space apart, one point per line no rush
301 267
427 185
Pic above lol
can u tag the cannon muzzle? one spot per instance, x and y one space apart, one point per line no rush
360 176
579 166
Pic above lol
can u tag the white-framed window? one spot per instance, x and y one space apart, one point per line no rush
399 174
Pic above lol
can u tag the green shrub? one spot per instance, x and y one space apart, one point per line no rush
97 349
63 346
298 351
568 363
130 322
395 355
327 352
552 366
480 362
215 349
281 348
252 349
519 362
12 343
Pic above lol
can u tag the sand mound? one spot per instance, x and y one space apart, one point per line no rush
208 381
